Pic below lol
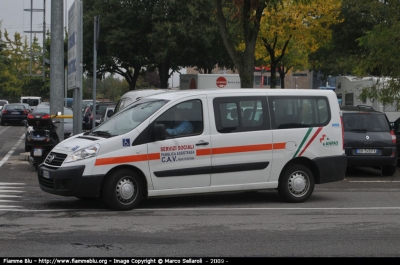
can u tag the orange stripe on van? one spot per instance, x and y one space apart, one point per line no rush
199 152
203 152
126 159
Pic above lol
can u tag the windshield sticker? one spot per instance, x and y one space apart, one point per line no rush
177 153
126 142
327 142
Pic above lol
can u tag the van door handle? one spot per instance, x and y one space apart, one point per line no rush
202 143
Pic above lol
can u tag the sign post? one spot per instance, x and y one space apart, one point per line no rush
75 62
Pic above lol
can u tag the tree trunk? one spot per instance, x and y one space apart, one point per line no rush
243 61
282 74
163 72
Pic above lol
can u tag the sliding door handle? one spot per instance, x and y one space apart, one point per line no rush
202 143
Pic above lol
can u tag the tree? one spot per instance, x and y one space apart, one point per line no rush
15 64
185 34
239 23
381 47
295 29
343 54
123 44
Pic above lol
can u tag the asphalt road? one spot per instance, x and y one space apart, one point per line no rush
357 217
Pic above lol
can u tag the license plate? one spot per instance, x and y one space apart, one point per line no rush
46 174
37 151
15 112
366 151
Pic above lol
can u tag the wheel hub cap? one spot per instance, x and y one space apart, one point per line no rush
298 184
125 190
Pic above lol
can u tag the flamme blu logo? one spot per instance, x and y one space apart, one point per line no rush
327 142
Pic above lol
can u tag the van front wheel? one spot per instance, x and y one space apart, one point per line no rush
123 190
296 183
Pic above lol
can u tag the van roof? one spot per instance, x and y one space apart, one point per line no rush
247 91
143 92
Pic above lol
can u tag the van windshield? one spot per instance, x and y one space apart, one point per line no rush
129 118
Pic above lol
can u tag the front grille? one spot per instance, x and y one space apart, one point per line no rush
48 183
55 159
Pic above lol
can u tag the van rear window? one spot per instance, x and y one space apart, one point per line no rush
299 112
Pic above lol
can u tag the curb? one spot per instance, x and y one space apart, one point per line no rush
24 156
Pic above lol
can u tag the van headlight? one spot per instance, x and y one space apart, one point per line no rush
83 153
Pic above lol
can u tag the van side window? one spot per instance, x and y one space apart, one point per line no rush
299 112
241 114
183 119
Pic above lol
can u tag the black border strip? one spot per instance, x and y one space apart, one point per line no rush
211 169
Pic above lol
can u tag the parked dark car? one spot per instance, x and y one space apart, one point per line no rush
13 113
68 123
396 129
87 118
369 140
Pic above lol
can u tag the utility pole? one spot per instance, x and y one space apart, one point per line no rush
95 47
57 63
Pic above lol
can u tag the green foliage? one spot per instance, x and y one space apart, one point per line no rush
109 87
140 36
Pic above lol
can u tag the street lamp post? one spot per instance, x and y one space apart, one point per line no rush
295 82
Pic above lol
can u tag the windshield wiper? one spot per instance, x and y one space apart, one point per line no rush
104 134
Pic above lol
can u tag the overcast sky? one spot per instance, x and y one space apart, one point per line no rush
14 19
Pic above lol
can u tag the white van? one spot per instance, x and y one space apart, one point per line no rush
132 96
230 140
32 101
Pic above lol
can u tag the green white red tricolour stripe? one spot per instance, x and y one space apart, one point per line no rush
308 143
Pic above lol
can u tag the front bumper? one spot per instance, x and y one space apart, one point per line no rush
69 181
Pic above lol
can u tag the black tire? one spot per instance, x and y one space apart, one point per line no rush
2 122
388 170
123 190
296 183
27 147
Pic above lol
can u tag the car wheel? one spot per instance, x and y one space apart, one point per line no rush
123 190
296 183
388 170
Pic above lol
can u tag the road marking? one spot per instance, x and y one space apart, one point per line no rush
7 201
205 209
1 131
7 191
373 181
9 196
12 150
8 206
5 183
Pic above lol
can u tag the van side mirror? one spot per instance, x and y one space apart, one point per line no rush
110 112
159 132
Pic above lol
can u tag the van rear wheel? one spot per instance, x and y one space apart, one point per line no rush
123 190
296 183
